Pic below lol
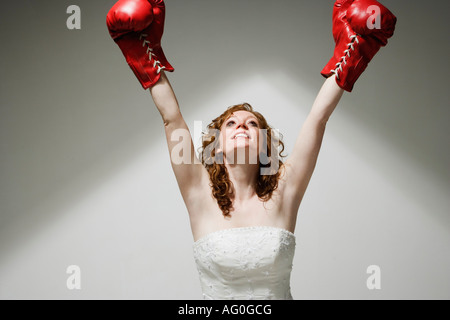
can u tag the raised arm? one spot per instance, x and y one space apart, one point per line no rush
360 28
302 161
186 166
137 27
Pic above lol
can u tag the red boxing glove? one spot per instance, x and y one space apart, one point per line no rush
371 18
137 27
360 29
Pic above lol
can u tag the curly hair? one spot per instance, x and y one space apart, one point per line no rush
222 187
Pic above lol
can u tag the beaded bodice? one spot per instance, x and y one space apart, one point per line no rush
245 263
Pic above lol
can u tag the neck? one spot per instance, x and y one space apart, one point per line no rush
243 177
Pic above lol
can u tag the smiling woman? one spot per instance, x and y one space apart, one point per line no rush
245 137
243 220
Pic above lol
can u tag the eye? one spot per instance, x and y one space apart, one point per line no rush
230 123
253 123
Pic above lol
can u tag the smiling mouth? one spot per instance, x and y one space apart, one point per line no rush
241 135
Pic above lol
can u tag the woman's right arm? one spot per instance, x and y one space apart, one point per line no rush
137 27
189 171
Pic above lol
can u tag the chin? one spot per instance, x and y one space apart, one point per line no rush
243 155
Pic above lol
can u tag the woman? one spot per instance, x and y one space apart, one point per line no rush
241 198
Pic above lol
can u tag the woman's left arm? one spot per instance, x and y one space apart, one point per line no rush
356 43
302 161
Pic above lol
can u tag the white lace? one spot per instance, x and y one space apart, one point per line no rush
350 46
151 55
245 263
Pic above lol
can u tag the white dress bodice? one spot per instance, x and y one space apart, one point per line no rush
245 263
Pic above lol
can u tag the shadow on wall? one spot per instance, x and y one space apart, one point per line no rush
84 116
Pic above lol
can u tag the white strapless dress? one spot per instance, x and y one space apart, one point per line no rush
245 263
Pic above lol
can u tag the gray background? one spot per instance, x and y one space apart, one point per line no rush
85 177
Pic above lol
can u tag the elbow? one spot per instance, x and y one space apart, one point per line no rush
171 118
166 121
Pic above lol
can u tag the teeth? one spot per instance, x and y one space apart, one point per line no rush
241 135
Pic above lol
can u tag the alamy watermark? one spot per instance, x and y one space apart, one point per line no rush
374 280
264 151
374 21
73 282
74 20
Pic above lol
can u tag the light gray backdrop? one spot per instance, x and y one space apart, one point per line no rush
85 177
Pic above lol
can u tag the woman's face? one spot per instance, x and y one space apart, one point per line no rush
239 133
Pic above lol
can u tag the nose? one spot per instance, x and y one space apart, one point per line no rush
242 125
